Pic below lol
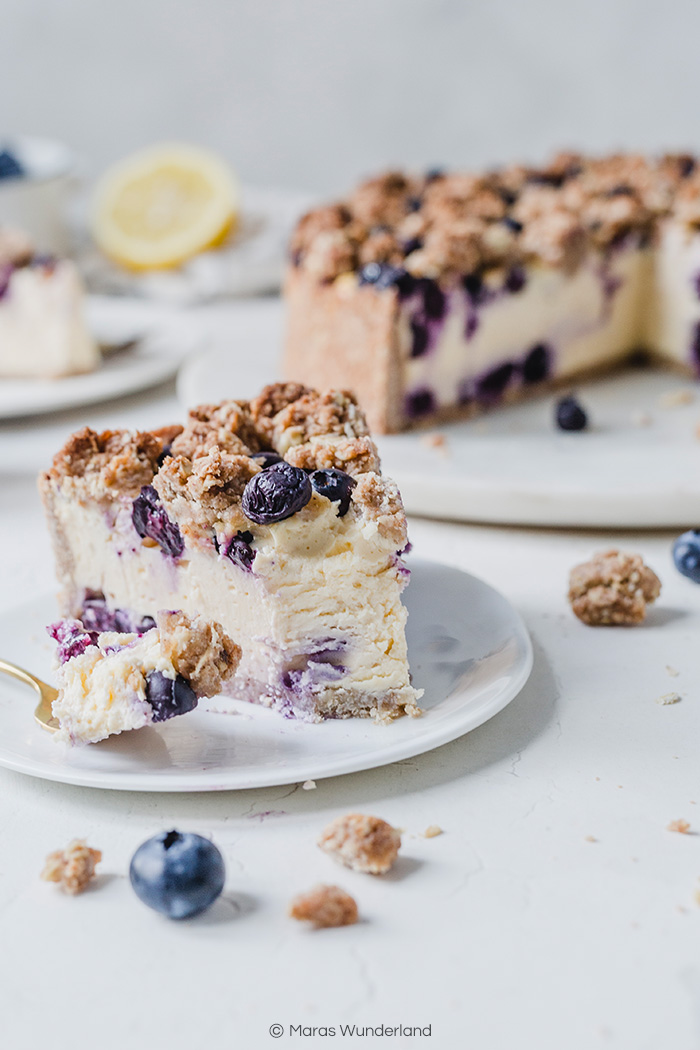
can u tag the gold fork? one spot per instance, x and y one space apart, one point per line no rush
47 694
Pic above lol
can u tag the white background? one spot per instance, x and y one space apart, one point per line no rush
313 93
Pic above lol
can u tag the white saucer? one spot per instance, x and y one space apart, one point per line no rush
468 649
638 466
156 355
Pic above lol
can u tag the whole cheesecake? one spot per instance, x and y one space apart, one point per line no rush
269 518
439 296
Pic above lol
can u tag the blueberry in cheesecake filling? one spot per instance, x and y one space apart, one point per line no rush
418 288
112 682
271 518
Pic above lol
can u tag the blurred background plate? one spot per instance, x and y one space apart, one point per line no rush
637 466
142 350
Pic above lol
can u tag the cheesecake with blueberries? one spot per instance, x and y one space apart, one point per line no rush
271 518
112 682
440 296
43 332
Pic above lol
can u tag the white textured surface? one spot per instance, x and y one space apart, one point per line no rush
511 929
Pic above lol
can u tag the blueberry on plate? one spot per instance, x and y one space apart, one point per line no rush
570 415
276 493
177 873
336 486
686 554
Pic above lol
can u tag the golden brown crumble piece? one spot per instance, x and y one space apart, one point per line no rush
73 867
381 501
612 588
271 400
228 425
325 906
381 247
384 200
208 489
114 459
334 412
681 826
320 220
200 651
330 254
362 843
354 456
433 831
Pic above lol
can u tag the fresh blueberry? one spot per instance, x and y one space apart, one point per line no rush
434 173
686 554
169 696
10 167
420 403
536 364
239 550
570 415
412 245
150 520
413 204
276 493
266 459
336 486
178 874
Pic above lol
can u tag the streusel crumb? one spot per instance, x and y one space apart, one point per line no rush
73 867
200 651
433 831
362 843
324 906
612 588
681 826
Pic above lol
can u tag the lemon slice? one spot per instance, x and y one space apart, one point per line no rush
161 206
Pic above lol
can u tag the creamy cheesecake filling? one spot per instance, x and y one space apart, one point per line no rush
318 615
43 332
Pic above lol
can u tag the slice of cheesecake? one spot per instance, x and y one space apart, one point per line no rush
112 682
442 296
43 333
271 518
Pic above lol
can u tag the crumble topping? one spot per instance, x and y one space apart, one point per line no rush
442 225
200 651
681 826
381 502
324 906
72 867
612 588
113 460
668 698
354 456
433 831
362 843
200 470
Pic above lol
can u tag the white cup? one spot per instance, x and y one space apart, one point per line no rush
36 202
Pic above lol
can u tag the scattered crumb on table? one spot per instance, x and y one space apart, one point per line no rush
641 419
591 838
668 698
72 867
613 588
672 671
681 826
361 842
435 440
432 832
309 785
676 398
324 906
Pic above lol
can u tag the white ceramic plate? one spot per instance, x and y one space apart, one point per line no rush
468 649
157 354
637 467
